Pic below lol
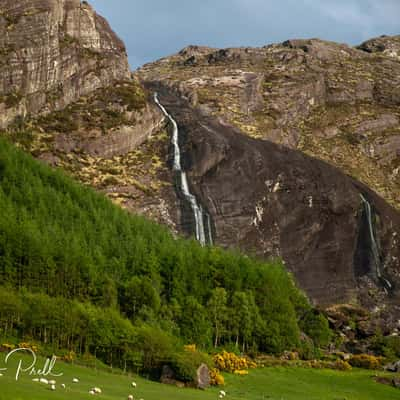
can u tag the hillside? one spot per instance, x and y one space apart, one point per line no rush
80 274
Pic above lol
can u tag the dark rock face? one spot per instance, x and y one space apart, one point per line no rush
273 201
53 52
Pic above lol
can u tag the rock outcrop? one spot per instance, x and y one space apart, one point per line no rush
53 52
337 236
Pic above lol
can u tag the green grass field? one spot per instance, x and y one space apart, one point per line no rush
276 383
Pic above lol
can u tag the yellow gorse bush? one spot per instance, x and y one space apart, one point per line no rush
241 372
27 345
230 362
7 347
216 379
366 361
190 348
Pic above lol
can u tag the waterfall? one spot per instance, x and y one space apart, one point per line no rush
374 245
198 213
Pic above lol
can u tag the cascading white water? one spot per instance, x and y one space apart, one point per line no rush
210 238
374 245
198 212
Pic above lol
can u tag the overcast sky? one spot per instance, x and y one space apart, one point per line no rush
152 29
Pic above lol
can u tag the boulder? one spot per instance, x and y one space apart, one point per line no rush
203 377
393 367
168 377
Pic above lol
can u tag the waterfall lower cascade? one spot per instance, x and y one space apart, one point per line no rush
374 246
198 212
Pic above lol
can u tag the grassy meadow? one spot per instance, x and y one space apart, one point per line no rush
275 383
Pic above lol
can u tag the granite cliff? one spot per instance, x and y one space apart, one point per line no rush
52 53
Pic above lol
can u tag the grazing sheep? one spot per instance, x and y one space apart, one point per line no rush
134 384
63 386
130 397
97 390
43 380
53 387
222 393
91 392
75 380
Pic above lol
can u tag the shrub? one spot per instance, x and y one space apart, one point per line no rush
28 345
6 347
216 379
316 326
241 372
186 363
342 365
366 361
230 362
156 348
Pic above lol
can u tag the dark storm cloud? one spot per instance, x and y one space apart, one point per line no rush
155 28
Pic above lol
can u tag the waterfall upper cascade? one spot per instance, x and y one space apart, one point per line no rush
199 215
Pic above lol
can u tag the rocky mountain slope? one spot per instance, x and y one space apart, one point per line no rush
248 119
53 52
329 100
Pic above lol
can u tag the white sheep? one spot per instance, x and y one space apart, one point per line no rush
43 380
134 384
130 397
222 393
75 380
53 387
91 392
63 385
1 374
97 390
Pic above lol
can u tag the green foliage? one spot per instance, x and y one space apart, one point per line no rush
155 347
185 364
316 326
365 361
386 346
112 269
